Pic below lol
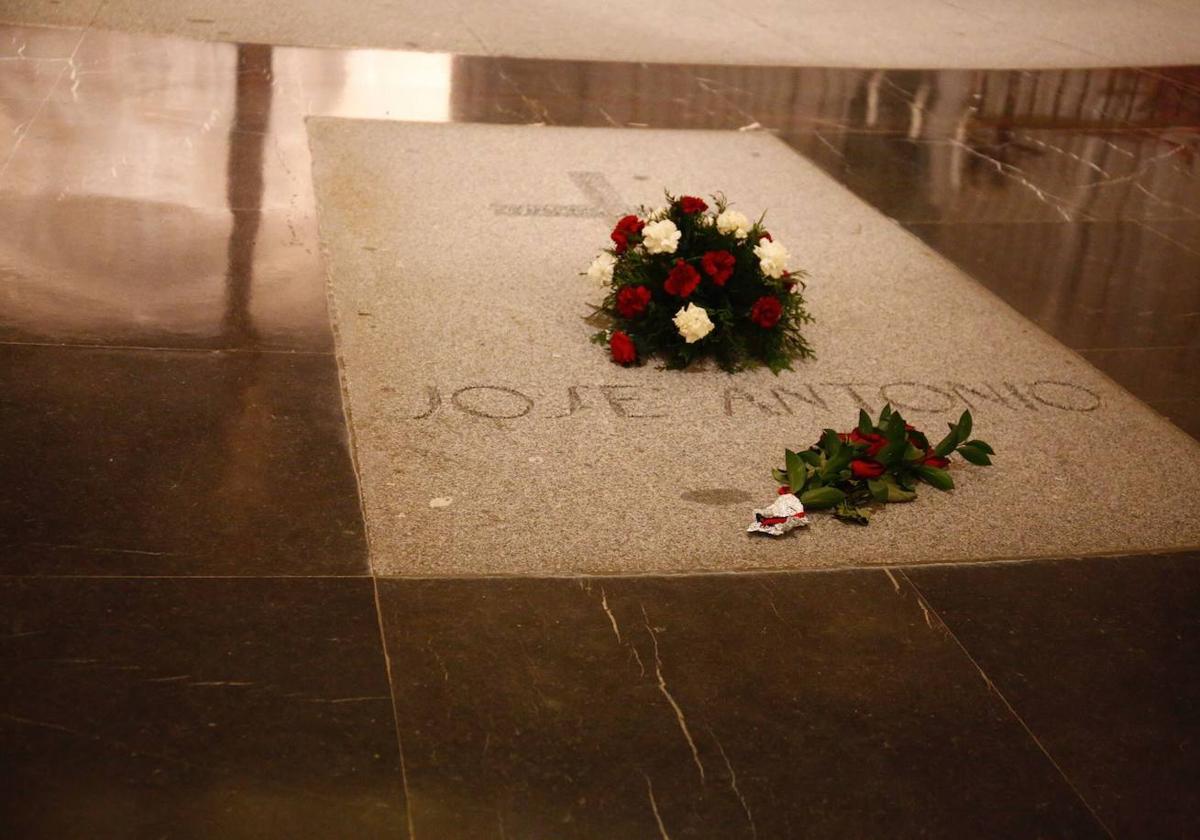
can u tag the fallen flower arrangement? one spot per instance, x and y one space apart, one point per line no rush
685 282
878 462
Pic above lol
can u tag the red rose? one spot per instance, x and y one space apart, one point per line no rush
626 227
621 346
914 436
718 265
689 204
682 280
766 311
632 301
874 441
866 468
932 460
784 489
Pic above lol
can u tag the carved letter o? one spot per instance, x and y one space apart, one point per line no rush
526 404
1091 396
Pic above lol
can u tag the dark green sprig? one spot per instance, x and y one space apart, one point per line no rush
880 462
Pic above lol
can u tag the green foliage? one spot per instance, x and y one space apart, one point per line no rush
819 498
824 476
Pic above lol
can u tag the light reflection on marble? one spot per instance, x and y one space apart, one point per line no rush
163 197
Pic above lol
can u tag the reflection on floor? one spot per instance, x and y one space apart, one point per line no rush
191 638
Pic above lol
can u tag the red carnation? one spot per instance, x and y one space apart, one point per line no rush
626 227
718 265
682 280
766 311
866 468
632 301
689 204
932 460
621 346
875 441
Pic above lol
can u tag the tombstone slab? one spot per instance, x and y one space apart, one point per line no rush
493 438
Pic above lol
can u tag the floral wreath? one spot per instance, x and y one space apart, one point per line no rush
685 282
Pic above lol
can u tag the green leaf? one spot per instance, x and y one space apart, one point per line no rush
892 454
797 473
810 457
822 497
978 444
865 426
911 453
885 414
779 475
975 455
853 515
948 443
879 489
938 478
890 491
831 443
964 425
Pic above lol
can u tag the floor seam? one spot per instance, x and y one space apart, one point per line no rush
352 447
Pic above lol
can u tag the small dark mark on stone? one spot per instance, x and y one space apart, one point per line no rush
200 20
717 496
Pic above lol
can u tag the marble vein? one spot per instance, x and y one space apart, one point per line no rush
612 618
666 692
1012 172
733 785
662 829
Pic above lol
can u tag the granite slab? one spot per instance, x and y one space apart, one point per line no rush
493 438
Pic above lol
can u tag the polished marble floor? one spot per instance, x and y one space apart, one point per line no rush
193 644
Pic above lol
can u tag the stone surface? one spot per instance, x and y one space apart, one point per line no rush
768 706
1102 670
134 462
470 375
195 708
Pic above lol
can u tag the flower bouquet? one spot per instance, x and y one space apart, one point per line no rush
876 462
685 281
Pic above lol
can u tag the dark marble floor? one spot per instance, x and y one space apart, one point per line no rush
191 640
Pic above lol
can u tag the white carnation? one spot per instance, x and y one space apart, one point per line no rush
772 258
692 323
660 237
601 269
731 221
